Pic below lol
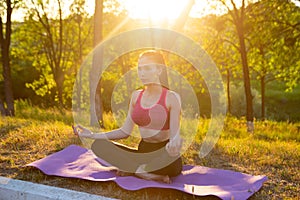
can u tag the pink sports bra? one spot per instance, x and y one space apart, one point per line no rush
155 117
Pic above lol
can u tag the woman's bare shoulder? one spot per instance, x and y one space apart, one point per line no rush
172 94
173 98
135 95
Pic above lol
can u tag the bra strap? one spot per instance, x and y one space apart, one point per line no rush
138 101
163 96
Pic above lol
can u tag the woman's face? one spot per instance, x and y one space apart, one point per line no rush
148 71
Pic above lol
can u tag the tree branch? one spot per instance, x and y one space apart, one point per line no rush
230 42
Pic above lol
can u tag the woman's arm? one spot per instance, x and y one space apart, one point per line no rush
175 144
116 134
110 135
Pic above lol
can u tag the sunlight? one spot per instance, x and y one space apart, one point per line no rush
154 9
297 3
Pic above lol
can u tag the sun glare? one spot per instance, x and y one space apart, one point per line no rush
154 9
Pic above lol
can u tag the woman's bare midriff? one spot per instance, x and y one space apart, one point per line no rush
154 136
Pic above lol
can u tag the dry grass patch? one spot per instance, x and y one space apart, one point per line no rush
273 150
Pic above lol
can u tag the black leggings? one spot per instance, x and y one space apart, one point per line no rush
127 159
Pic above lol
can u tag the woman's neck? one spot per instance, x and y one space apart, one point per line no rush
153 88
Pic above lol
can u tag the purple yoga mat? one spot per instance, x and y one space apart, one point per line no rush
78 162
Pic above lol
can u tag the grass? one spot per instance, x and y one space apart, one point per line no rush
273 150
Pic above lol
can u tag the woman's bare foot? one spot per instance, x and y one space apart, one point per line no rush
154 177
142 173
121 173
111 168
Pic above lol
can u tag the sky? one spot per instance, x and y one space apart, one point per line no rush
137 8
155 9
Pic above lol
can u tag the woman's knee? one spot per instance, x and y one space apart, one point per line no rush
100 146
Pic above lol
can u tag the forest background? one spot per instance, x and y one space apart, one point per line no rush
47 50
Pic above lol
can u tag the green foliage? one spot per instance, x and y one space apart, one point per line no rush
238 101
272 34
281 105
274 53
30 69
271 54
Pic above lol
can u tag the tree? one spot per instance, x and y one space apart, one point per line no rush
96 108
261 57
237 15
286 30
50 31
80 27
273 53
21 61
112 22
5 41
218 39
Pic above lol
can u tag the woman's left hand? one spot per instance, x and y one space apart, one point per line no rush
174 146
82 131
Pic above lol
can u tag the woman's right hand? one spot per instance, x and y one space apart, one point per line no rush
82 131
174 146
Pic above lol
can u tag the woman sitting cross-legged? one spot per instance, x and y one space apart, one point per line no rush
156 111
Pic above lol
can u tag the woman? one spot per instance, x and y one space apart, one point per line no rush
156 111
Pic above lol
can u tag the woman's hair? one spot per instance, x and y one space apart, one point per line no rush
158 58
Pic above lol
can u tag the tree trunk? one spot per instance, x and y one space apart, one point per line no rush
183 16
61 74
239 25
228 91
247 84
59 78
125 69
80 58
2 109
10 111
78 86
262 86
96 108
5 46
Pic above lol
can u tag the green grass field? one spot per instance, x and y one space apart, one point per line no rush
273 150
